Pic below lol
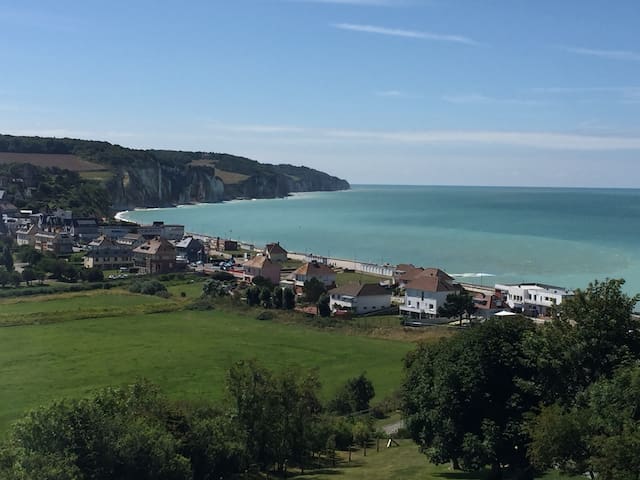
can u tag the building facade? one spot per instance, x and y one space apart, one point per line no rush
157 255
359 298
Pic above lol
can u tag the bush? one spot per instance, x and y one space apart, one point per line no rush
265 316
222 276
201 304
147 287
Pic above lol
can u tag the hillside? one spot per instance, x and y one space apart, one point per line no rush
155 178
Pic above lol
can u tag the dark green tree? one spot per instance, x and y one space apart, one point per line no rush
605 335
277 413
324 310
457 305
600 434
353 396
7 259
5 277
277 297
115 433
312 289
253 296
288 299
265 297
28 275
465 398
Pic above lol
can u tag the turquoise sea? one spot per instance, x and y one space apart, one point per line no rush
561 236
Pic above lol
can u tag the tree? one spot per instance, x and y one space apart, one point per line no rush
288 299
277 297
114 433
28 254
465 398
92 275
7 259
265 297
362 434
457 305
600 434
15 278
276 413
312 289
5 277
605 335
253 296
324 310
28 275
353 396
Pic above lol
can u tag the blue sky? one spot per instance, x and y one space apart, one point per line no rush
457 92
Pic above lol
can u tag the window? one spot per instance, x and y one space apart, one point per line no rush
431 306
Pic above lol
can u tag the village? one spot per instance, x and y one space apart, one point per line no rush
418 294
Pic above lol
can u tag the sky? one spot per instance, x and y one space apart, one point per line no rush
434 92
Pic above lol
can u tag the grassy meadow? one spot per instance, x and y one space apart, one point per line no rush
115 338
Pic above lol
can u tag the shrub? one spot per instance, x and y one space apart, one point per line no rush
265 316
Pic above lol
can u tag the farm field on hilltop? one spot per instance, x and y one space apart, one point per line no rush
69 162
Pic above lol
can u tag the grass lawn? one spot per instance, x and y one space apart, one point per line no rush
63 302
403 462
343 278
186 352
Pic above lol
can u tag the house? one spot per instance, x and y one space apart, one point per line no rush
84 229
159 229
116 230
106 254
310 270
406 272
533 299
261 266
157 255
275 252
220 244
58 243
360 298
26 235
131 240
427 292
190 249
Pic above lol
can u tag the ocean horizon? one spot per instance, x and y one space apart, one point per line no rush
566 236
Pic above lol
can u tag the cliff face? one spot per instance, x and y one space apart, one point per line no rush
281 180
162 186
159 178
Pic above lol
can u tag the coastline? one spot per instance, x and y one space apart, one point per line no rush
476 234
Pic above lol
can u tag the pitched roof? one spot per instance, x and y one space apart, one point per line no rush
433 284
314 269
152 246
258 262
360 290
415 273
272 248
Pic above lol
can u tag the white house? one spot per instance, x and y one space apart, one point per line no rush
425 294
533 299
360 298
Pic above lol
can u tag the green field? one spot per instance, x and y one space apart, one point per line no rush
404 462
186 352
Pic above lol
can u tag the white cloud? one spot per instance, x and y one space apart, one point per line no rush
475 98
375 3
530 140
405 33
609 54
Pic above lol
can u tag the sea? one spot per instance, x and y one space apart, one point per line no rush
560 236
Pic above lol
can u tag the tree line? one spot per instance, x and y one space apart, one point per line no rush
523 398
270 422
